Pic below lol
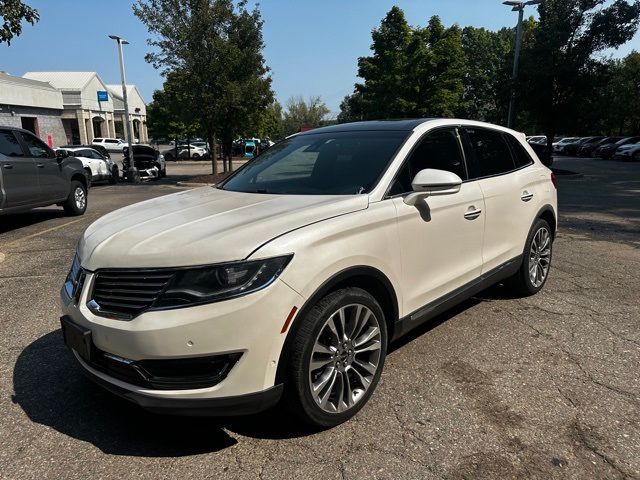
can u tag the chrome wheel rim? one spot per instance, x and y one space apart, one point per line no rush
80 197
540 257
345 358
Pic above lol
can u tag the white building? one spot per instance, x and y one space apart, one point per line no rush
87 111
33 105
137 111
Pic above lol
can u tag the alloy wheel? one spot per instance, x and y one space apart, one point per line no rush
80 198
540 257
345 358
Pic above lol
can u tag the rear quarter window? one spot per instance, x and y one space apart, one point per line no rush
521 157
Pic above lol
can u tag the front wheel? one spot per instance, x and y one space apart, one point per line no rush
336 358
76 203
536 261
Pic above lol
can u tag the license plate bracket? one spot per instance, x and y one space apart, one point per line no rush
76 337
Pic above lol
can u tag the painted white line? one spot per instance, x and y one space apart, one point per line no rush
2 257
48 230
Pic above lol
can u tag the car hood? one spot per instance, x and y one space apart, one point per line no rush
629 147
202 226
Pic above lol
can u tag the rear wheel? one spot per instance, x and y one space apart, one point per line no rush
76 203
89 176
336 358
536 261
115 174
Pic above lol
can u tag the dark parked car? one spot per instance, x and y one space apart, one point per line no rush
587 149
32 175
149 162
608 149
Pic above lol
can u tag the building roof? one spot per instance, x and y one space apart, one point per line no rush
28 93
63 80
115 89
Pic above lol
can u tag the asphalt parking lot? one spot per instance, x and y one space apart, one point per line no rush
543 387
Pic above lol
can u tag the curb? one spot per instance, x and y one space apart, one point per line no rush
194 184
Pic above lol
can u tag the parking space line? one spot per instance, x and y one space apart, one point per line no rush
48 230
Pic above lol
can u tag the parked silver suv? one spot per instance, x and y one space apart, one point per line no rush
32 175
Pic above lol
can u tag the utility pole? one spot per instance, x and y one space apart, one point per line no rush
121 41
518 6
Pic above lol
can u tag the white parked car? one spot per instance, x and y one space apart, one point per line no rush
289 279
111 144
558 147
97 167
196 152
628 153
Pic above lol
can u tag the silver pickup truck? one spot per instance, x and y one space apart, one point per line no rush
33 175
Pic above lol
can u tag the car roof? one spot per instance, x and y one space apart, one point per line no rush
372 125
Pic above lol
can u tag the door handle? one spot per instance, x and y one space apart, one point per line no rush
526 196
8 166
40 165
472 213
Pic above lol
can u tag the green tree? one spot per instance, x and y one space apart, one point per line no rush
216 46
168 115
385 91
13 13
268 122
301 113
559 61
351 109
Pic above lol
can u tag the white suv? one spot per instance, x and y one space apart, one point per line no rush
111 144
289 280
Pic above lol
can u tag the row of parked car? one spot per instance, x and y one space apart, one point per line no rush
618 148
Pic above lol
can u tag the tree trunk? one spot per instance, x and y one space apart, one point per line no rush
212 143
230 154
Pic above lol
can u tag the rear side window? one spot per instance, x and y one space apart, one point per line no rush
9 145
111 141
491 152
37 148
520 156
97 139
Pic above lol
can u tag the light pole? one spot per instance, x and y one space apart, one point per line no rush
121 41
518 6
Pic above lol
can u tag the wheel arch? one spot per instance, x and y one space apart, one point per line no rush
547 213
81 177
367 278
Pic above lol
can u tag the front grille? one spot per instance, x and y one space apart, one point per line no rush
127 293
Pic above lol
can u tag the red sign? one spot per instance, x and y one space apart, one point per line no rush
50 141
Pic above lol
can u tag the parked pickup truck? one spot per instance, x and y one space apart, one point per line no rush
32 175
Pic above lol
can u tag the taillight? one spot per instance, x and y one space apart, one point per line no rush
554 180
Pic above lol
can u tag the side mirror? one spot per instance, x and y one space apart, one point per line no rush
431 182
61 155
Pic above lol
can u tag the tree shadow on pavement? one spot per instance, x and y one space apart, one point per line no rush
52 391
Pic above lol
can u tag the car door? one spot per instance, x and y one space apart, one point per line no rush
510 183
18 172
53 184
101 164
440 237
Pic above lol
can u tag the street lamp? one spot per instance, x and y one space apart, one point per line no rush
518 6
121 41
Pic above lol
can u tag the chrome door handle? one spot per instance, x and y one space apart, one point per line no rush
526 196
8 166
472 214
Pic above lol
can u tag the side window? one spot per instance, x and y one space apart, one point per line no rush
37 148
492 154
9 145
438 150
520 155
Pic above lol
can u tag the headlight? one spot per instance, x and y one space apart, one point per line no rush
220 282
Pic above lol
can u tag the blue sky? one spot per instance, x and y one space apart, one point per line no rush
311 46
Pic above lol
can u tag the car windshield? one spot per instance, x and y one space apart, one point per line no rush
338 163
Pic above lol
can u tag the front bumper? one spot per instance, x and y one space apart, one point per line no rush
250 325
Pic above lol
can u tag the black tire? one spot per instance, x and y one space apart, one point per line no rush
115 175
87 173
298 397
72 205
521 283
195 156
